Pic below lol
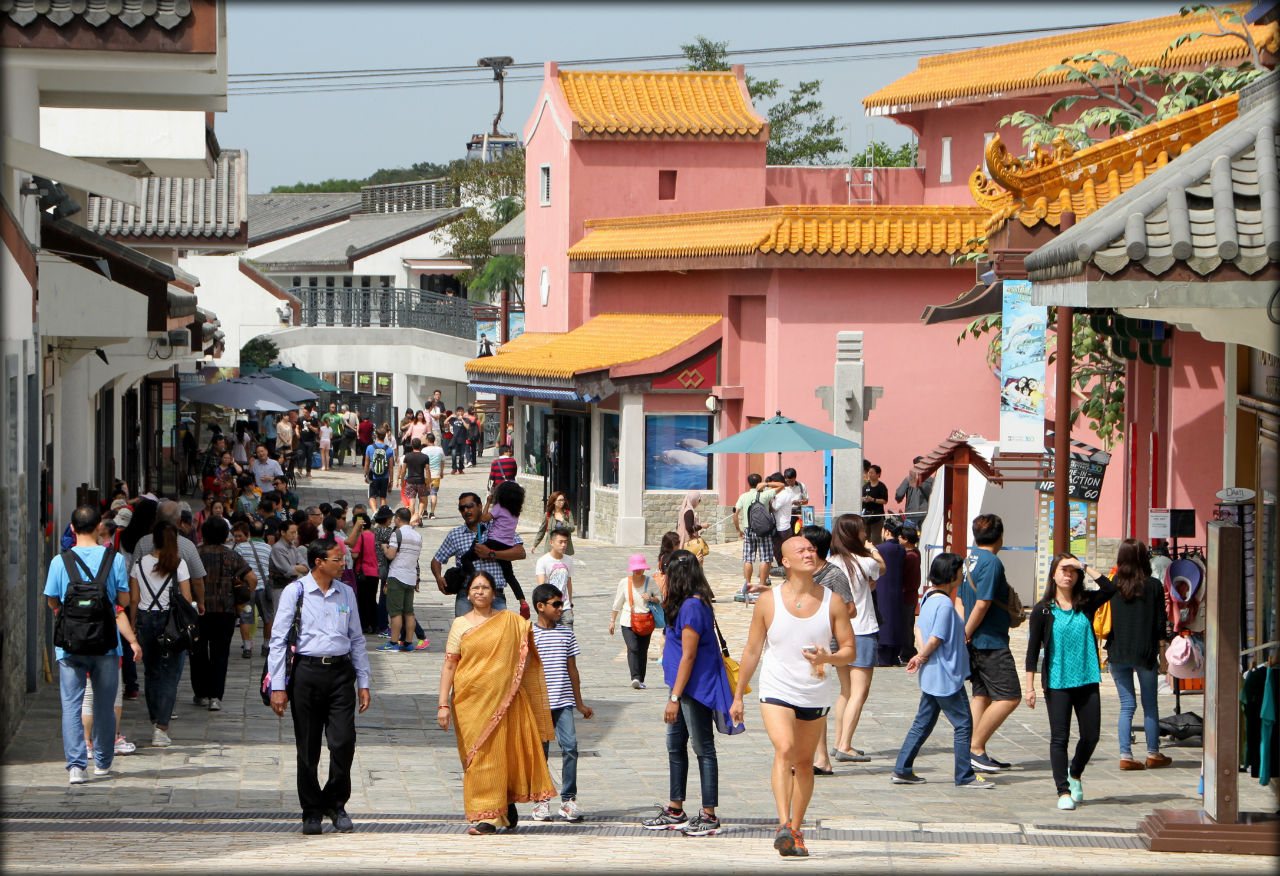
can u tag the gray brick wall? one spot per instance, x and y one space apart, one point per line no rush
604 513
14 602
662 508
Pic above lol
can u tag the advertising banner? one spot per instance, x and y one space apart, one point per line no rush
1022 370
487 342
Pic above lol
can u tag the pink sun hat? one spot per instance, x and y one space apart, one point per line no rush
637 563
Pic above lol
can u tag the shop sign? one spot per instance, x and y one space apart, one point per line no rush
1084 478
1159 523
1235 495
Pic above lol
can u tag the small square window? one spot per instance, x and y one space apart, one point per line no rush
544 185
666 185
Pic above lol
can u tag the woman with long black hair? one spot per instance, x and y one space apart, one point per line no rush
1062 623
150 589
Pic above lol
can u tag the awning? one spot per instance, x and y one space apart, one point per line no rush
533 392
982 299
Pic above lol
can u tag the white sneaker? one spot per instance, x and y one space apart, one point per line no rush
570 811
101 772
542 811
76 776
215 704
124 746
160 739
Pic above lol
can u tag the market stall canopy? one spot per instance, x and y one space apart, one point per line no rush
240 394
298 377
779 434
282 388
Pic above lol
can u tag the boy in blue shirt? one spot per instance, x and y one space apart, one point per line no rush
943 663
558 649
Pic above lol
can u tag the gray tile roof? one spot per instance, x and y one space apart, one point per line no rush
1217 203
365 234
166 13
179 210
279 215
509 239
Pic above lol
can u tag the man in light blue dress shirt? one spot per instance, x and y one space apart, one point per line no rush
330 657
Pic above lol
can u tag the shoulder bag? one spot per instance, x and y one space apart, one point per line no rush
290 653
731 667
641 624
182 624
1015 608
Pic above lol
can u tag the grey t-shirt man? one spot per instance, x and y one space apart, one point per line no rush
186 552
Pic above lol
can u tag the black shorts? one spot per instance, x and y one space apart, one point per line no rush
993 674
378 488
803 713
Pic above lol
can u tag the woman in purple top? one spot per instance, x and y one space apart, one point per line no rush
700 698
888 596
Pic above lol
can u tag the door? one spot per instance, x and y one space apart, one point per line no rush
569 445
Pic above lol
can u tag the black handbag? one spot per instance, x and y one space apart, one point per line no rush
290 653
182 625
457 577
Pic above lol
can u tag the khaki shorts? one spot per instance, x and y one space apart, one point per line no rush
399 598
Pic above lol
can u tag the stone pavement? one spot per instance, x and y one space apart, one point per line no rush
226 786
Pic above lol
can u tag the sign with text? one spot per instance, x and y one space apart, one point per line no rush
1084 478
1158 523
364 382
1022 369
381 383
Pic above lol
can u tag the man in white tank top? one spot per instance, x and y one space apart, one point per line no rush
798 619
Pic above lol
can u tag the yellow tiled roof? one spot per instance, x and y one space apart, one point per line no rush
998 69
1043 187
601 342
641 102
820 230
526 341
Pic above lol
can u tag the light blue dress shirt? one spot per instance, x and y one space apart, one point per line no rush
330 627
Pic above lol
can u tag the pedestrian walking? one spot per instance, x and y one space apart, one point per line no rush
151 585
403 551
798 621
555 567
364 556
690 527
251 544
636 594
909 538
862 563
435 473
556 518
492 689
1062 624
942 661
503 468
831 577
558 650
308 438
379 459
699 698
875 495
888 595
225 571
465 545
1134 648
753 519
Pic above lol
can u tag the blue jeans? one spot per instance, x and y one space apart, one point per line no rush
161 669
693 722
1148 680
567 739
459 455
956 708
74 672
462 605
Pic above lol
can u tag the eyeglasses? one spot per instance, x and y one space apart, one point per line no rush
332 559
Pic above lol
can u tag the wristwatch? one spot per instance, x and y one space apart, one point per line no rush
674 698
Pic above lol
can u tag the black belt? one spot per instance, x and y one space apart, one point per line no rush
334 660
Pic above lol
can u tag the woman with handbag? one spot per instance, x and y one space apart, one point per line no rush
636 593
852 551
151 585
364 555
228 582
1133 648
1062 623
558 518
694 670
689 527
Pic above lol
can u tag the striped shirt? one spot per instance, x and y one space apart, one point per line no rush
555 647
502 469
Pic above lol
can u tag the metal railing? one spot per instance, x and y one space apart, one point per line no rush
385 308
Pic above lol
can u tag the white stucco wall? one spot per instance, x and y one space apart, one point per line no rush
244 308
390 261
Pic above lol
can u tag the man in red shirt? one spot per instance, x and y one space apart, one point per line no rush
364 433
503 468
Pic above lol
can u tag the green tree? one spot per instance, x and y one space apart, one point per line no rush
261 352
493 194
880 154
383 176
799 132
503 271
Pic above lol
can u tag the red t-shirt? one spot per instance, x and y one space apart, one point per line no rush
502 469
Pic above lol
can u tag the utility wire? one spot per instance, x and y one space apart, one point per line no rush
283 77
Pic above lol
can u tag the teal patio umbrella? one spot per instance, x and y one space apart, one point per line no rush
282 388
298 377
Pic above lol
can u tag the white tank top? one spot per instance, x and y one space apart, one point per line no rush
784 673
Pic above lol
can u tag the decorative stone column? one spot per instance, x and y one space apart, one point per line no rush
630 469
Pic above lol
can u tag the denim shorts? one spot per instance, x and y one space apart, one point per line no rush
866 651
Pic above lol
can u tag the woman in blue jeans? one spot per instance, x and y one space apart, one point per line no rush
1133 648
700 697
150 586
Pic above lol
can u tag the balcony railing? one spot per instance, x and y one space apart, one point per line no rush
385 308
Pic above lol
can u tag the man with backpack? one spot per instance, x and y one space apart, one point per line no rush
754 519
379 457
88 589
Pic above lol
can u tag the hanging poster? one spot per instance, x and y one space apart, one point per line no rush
1022 370
381 383
347 381
1083 522
487 335
364 381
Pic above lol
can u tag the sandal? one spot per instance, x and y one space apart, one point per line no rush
481 828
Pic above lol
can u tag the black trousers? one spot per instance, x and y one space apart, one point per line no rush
324 705
637 653
1060 703
209 655
367 602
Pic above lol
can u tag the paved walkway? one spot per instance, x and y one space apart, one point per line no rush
226 786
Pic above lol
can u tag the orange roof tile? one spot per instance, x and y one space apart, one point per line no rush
602 342
526 341
995 70
1048 184
654 103
812 230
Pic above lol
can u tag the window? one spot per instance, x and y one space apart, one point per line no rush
544 285
609 446
986 139
671 442
944 166
544 185
666 185
535 436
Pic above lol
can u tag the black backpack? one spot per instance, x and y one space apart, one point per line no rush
760 519
86 623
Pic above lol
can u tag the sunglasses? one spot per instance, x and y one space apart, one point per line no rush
467 507
559 603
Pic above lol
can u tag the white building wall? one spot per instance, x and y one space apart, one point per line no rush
390 261
244 308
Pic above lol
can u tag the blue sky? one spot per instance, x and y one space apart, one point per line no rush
308 137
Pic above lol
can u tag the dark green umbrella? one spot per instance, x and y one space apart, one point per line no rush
298 377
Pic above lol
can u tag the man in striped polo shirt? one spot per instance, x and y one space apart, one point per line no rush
558 649
503 468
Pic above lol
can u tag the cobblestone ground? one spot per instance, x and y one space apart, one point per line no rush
224 791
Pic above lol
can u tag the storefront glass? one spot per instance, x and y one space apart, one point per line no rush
609 450
535 439
671 444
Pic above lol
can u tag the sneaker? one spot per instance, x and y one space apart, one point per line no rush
341 820
312 825
215 704
246 652
101 772
666 820
977 785
1065 802
1000 763
702 824
160 739
422 645
984 763
76 776
1154 761
406 647
785 841
542 811
1077 789
798 850
385 634
389 646
908 779
131 694
571 811
200 701
636 684
124 746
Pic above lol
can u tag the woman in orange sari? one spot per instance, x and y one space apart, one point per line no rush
492 685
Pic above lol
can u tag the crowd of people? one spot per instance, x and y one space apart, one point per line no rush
320 579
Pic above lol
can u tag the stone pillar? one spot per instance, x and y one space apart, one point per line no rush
849 417
630 469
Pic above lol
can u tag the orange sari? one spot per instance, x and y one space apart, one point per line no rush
502 717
